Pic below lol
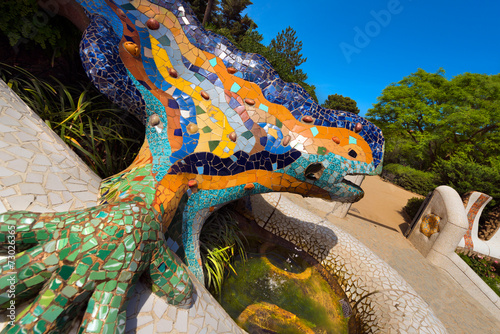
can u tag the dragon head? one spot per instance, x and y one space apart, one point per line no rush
218 115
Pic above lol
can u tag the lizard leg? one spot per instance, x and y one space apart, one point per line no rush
193 219
28 274
170 278
106 309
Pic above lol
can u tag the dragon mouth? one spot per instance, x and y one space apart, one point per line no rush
352 184
343 190
348 191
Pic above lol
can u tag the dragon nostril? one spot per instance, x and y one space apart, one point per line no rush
314 171
352 153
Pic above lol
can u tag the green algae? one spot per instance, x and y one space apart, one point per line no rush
277 291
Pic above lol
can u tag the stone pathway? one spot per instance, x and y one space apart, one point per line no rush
457 310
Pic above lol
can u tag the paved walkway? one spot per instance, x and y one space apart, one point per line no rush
459 312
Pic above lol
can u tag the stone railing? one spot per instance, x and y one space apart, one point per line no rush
437 234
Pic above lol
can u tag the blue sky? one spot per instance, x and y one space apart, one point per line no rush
356 48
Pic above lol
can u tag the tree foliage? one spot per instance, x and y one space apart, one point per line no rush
287 45
225 17
23 22
447 126
339 102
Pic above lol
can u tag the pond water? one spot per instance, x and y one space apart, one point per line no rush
276 291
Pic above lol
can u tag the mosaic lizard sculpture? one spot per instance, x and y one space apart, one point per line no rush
220 125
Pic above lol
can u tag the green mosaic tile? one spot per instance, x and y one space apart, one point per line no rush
103 254
42 235
112 274
37 311
61 301
27 319
110 286
102 214
116 301
112 265
105 298
110 230
103 312
40 326
129 243
52 313
55 284
74 278
95 222
76 228
69 291
61 243
72 257
47 298
88 230
124 276
247 134
25 273
97 275
51 260
74 238
22 261
94 326
66 271
119 253
49 247
91 243
64 253
121 287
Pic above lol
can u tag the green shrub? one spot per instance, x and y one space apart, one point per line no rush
412 206
220 241
486 269
464 174
411 179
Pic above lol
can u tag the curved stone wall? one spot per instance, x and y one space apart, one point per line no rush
383 300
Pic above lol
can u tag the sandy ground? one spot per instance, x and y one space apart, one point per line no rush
383 203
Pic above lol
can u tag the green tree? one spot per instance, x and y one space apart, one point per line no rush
24 23
339 102
230 17
451 127
205 9
287 45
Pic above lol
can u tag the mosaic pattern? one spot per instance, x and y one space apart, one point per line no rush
146 312
220 126
36 168
471 217
430 225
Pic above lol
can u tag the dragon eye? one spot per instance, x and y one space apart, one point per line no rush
314 171
352 153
